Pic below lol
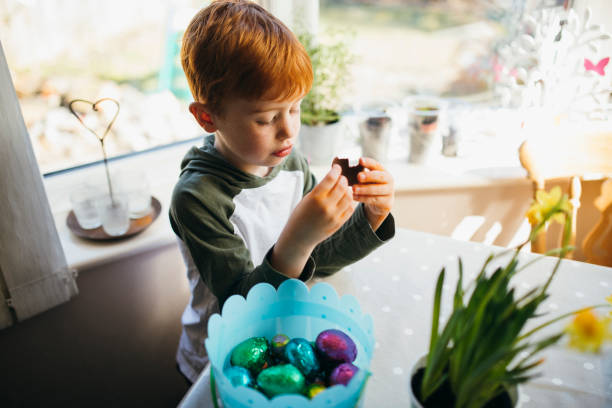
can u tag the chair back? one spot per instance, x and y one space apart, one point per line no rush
597 245
567 152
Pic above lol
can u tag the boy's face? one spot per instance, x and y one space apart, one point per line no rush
255 135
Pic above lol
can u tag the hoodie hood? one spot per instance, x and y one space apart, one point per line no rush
206 160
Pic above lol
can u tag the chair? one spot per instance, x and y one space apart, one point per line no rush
597 245
575 154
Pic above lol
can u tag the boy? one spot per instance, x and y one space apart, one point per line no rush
246 208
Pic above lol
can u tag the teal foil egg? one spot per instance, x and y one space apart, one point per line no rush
300 353
239 376
281 379
251 354
277 345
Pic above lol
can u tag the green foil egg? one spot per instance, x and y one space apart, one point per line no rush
313 389
281 379
251 354
300 353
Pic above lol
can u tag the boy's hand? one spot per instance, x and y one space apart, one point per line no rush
375 190
320 213
323 211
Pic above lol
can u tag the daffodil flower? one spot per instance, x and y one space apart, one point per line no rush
587 332
551 205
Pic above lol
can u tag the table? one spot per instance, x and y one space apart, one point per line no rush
395 284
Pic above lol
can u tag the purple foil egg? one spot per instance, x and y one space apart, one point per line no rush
336 347
343 374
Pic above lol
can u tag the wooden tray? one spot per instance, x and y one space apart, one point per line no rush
137 225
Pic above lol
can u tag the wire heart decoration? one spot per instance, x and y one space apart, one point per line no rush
96 107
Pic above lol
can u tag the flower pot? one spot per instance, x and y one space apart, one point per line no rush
295 311
375 132
321 143
512 393
426 118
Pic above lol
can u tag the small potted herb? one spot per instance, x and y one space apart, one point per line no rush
321 135
482 353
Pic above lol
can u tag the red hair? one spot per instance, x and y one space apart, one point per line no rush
236 48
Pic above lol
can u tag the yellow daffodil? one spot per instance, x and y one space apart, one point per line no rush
587 331
545 202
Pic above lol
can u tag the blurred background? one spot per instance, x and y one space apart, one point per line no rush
59 50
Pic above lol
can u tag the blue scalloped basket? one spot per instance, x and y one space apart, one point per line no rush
297 312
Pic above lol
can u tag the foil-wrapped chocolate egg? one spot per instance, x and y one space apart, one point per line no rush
277 345
300 353
336 347
281 379
251 354
313 389
342 374
239 376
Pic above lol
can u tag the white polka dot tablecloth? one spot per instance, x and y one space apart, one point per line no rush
395 284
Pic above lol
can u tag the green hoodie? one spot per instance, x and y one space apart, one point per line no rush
228 222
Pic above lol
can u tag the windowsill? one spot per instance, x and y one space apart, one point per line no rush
162 167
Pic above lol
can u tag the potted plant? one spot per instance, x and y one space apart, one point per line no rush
483 352
320 135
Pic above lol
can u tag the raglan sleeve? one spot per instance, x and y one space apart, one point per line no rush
309 178
353 241
221 256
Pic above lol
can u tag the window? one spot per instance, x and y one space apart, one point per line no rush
127 50
439 47
405 47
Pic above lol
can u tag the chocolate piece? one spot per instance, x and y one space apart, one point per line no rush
347 171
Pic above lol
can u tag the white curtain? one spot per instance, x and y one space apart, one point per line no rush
34 274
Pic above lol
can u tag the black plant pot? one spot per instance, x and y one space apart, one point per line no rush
444 397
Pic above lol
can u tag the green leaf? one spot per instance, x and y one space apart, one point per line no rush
458 301
437 361
429 381
435 320
474 379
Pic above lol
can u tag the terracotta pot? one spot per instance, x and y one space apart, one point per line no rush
513 392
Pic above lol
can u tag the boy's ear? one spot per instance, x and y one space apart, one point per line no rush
202 115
